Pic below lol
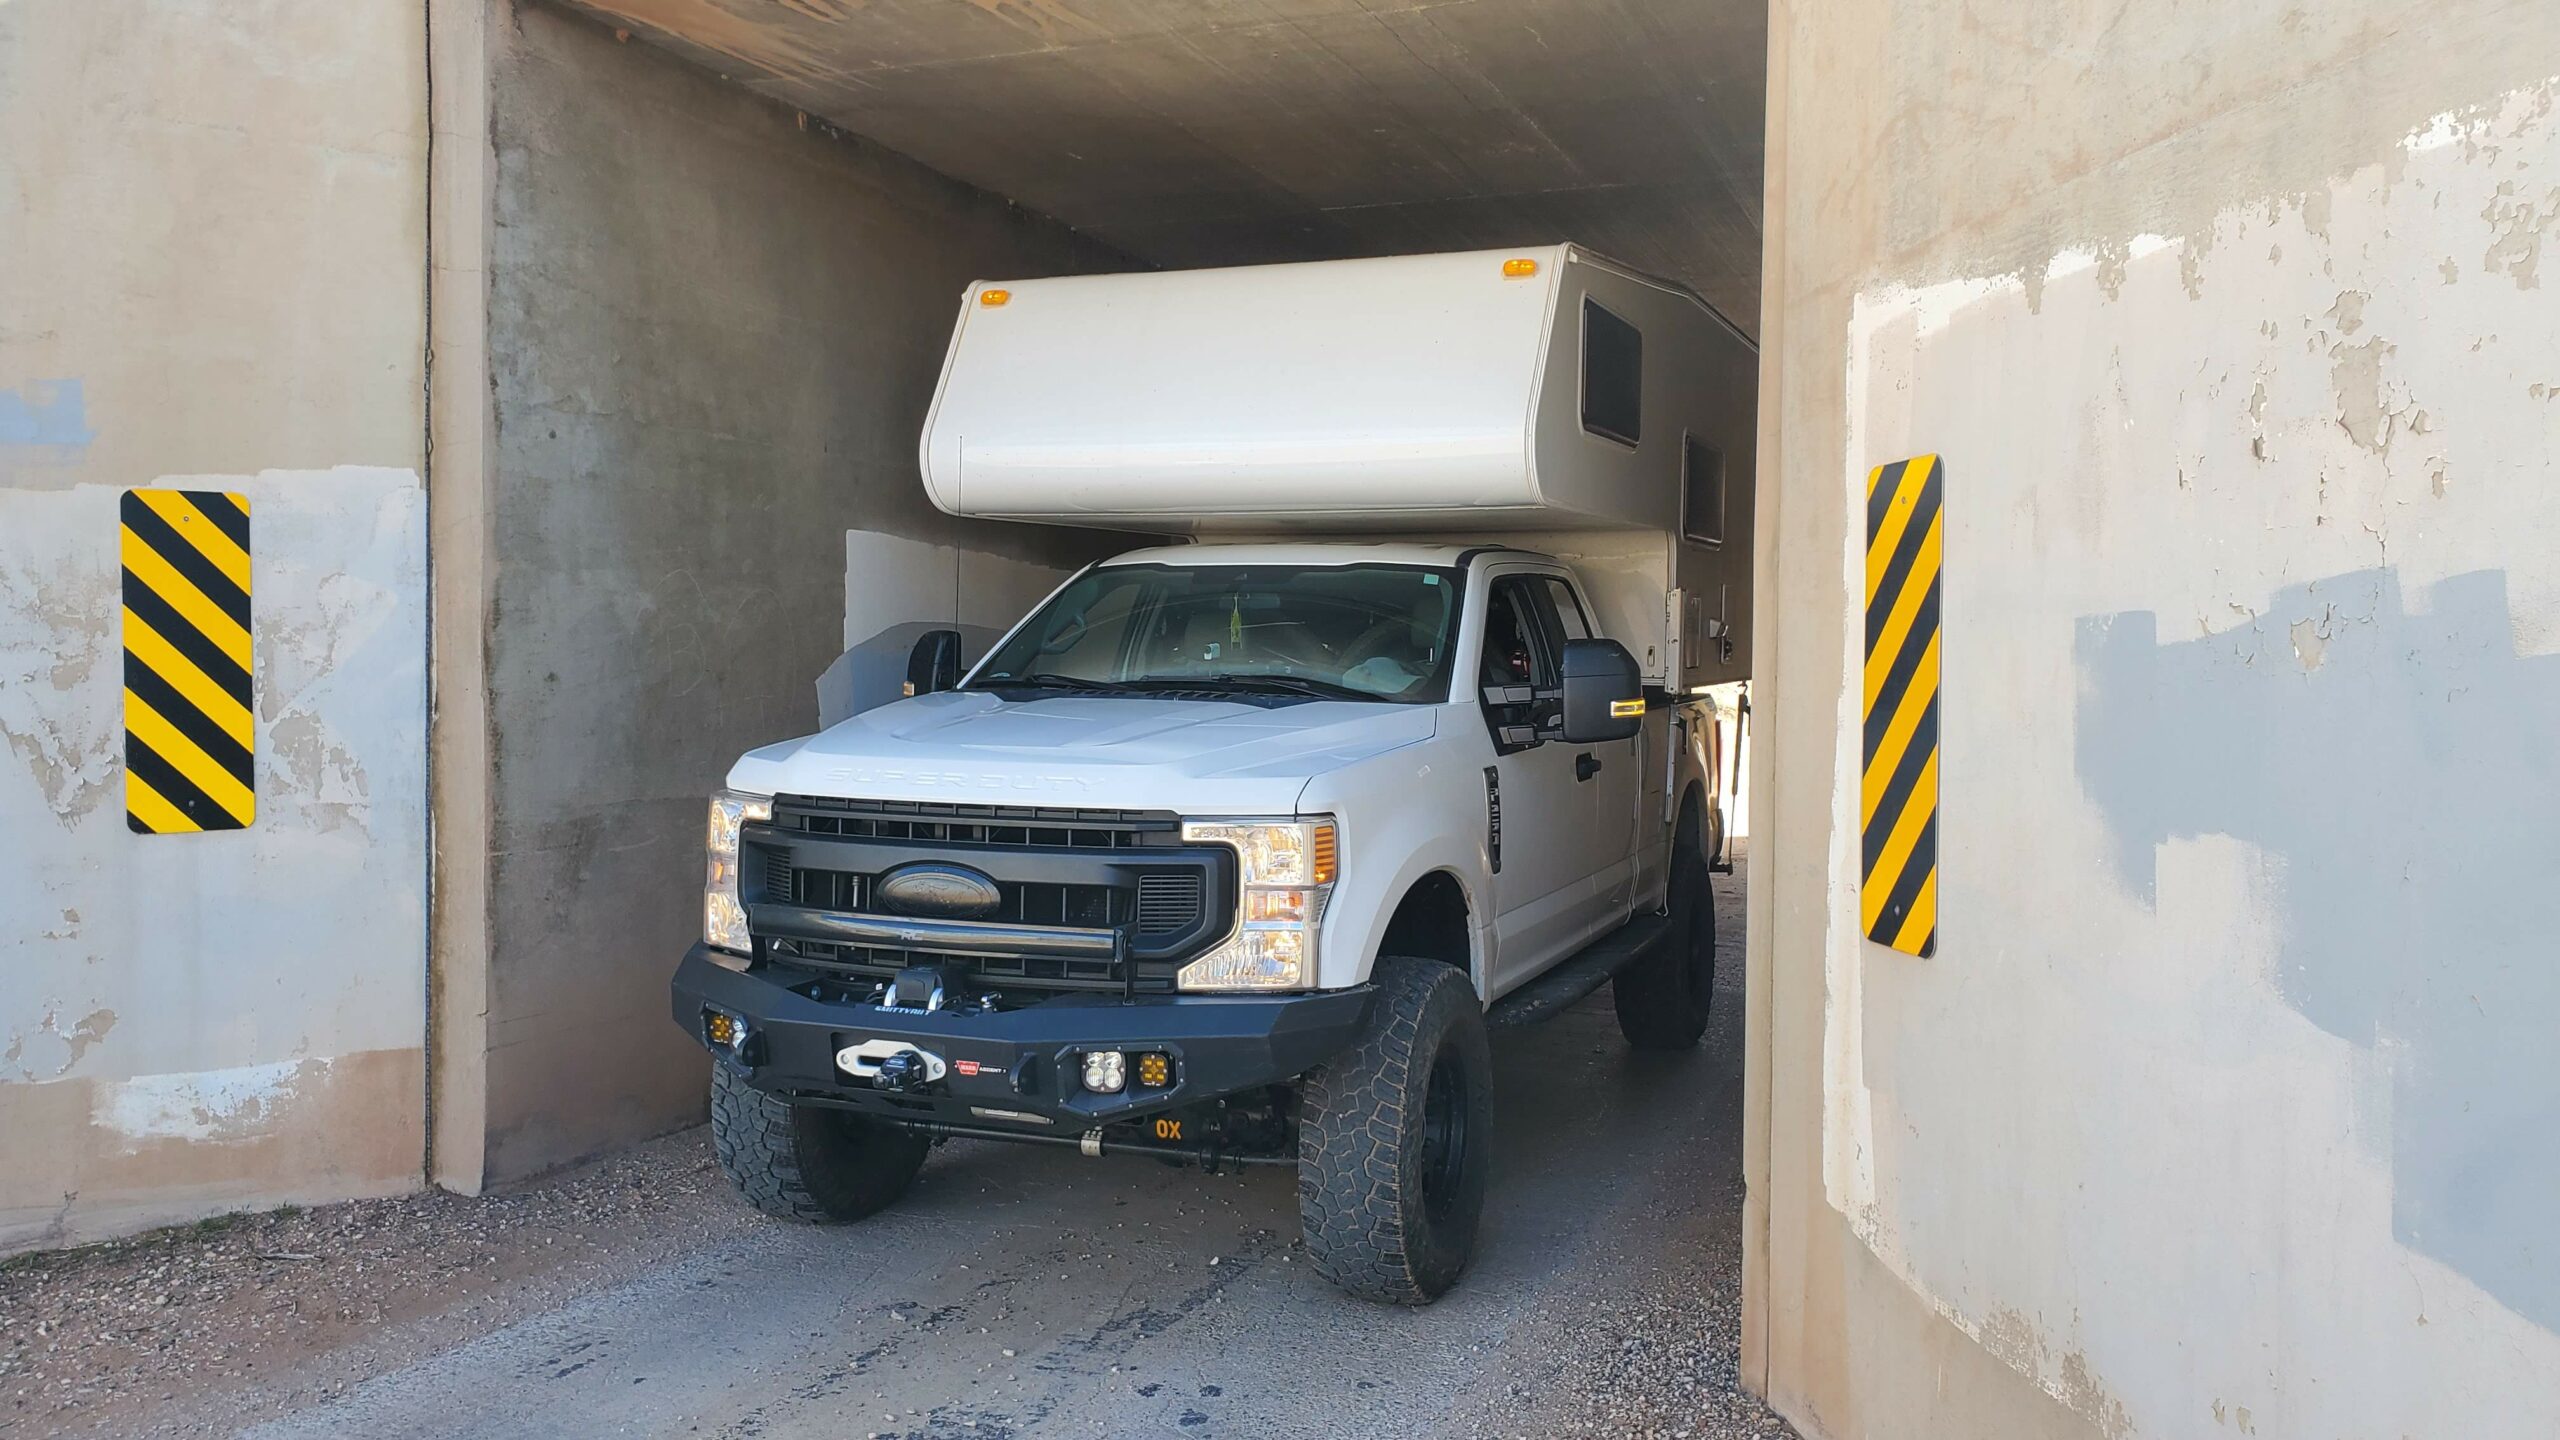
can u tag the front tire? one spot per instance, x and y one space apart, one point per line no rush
807 1162
1663 1002
1395 1138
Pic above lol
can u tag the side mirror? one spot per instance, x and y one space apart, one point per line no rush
1603 692
935 662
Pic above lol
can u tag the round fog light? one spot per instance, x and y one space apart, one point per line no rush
1105 1072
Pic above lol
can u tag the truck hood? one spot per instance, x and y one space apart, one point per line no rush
1113 752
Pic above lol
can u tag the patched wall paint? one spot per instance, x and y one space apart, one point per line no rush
214 253
2227 1101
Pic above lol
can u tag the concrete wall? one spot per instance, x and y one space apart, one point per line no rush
2227 1103
713 330
212 242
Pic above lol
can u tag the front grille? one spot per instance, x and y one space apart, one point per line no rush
1081 869
1168 902
990 825
879 962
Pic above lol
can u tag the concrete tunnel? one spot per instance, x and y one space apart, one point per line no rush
1115 139
571 359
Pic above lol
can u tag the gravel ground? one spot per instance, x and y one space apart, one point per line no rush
298 1316
249 1315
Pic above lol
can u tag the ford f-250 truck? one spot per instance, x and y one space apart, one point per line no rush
1234 851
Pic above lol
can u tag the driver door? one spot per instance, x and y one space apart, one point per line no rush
1542 870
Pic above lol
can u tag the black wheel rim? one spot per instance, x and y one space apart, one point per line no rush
1444 1135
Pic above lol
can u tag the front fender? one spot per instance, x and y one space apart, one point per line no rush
1403 815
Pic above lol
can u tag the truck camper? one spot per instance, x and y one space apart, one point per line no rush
1236 848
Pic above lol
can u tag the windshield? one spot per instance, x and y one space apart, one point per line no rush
1349 632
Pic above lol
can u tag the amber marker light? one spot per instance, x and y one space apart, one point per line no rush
993 298
1519 269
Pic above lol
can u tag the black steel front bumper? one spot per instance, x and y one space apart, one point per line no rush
1016 1067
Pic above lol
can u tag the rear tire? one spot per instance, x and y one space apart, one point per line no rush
1395 1137
807 1162
1663 1002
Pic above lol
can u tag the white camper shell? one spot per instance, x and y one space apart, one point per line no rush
1544 398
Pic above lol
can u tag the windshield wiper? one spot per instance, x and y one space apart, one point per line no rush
1050 680
1289 685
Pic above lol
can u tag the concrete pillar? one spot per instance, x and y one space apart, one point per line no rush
461 431
211 264
2225 1102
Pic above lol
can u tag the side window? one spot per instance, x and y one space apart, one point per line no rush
1701 492
1569 617
1612 375
1513 647
1516 675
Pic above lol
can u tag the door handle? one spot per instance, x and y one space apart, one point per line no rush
1585 765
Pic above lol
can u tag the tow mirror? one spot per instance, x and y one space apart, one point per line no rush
1603 692
934 664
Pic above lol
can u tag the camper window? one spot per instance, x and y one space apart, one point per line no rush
1612 375
1701 492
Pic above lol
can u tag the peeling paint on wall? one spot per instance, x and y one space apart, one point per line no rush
265 952
50 1050
216 1106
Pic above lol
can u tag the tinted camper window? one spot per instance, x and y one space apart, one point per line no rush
1702 492
1612 375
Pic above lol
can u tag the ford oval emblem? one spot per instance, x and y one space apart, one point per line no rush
951 891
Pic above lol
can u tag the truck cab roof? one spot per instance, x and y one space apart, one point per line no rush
1308 552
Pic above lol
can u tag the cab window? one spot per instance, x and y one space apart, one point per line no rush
1568 610
1517 671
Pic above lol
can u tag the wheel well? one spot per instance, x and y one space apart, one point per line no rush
1430 923
1691 828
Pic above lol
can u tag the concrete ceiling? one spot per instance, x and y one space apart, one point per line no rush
1207 132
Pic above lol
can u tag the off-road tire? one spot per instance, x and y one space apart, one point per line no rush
807 1162
1390 1184
1663 1001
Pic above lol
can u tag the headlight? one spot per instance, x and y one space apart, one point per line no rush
724 916
1287 873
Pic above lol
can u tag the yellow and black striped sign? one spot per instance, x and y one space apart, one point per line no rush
1898 793
189 716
